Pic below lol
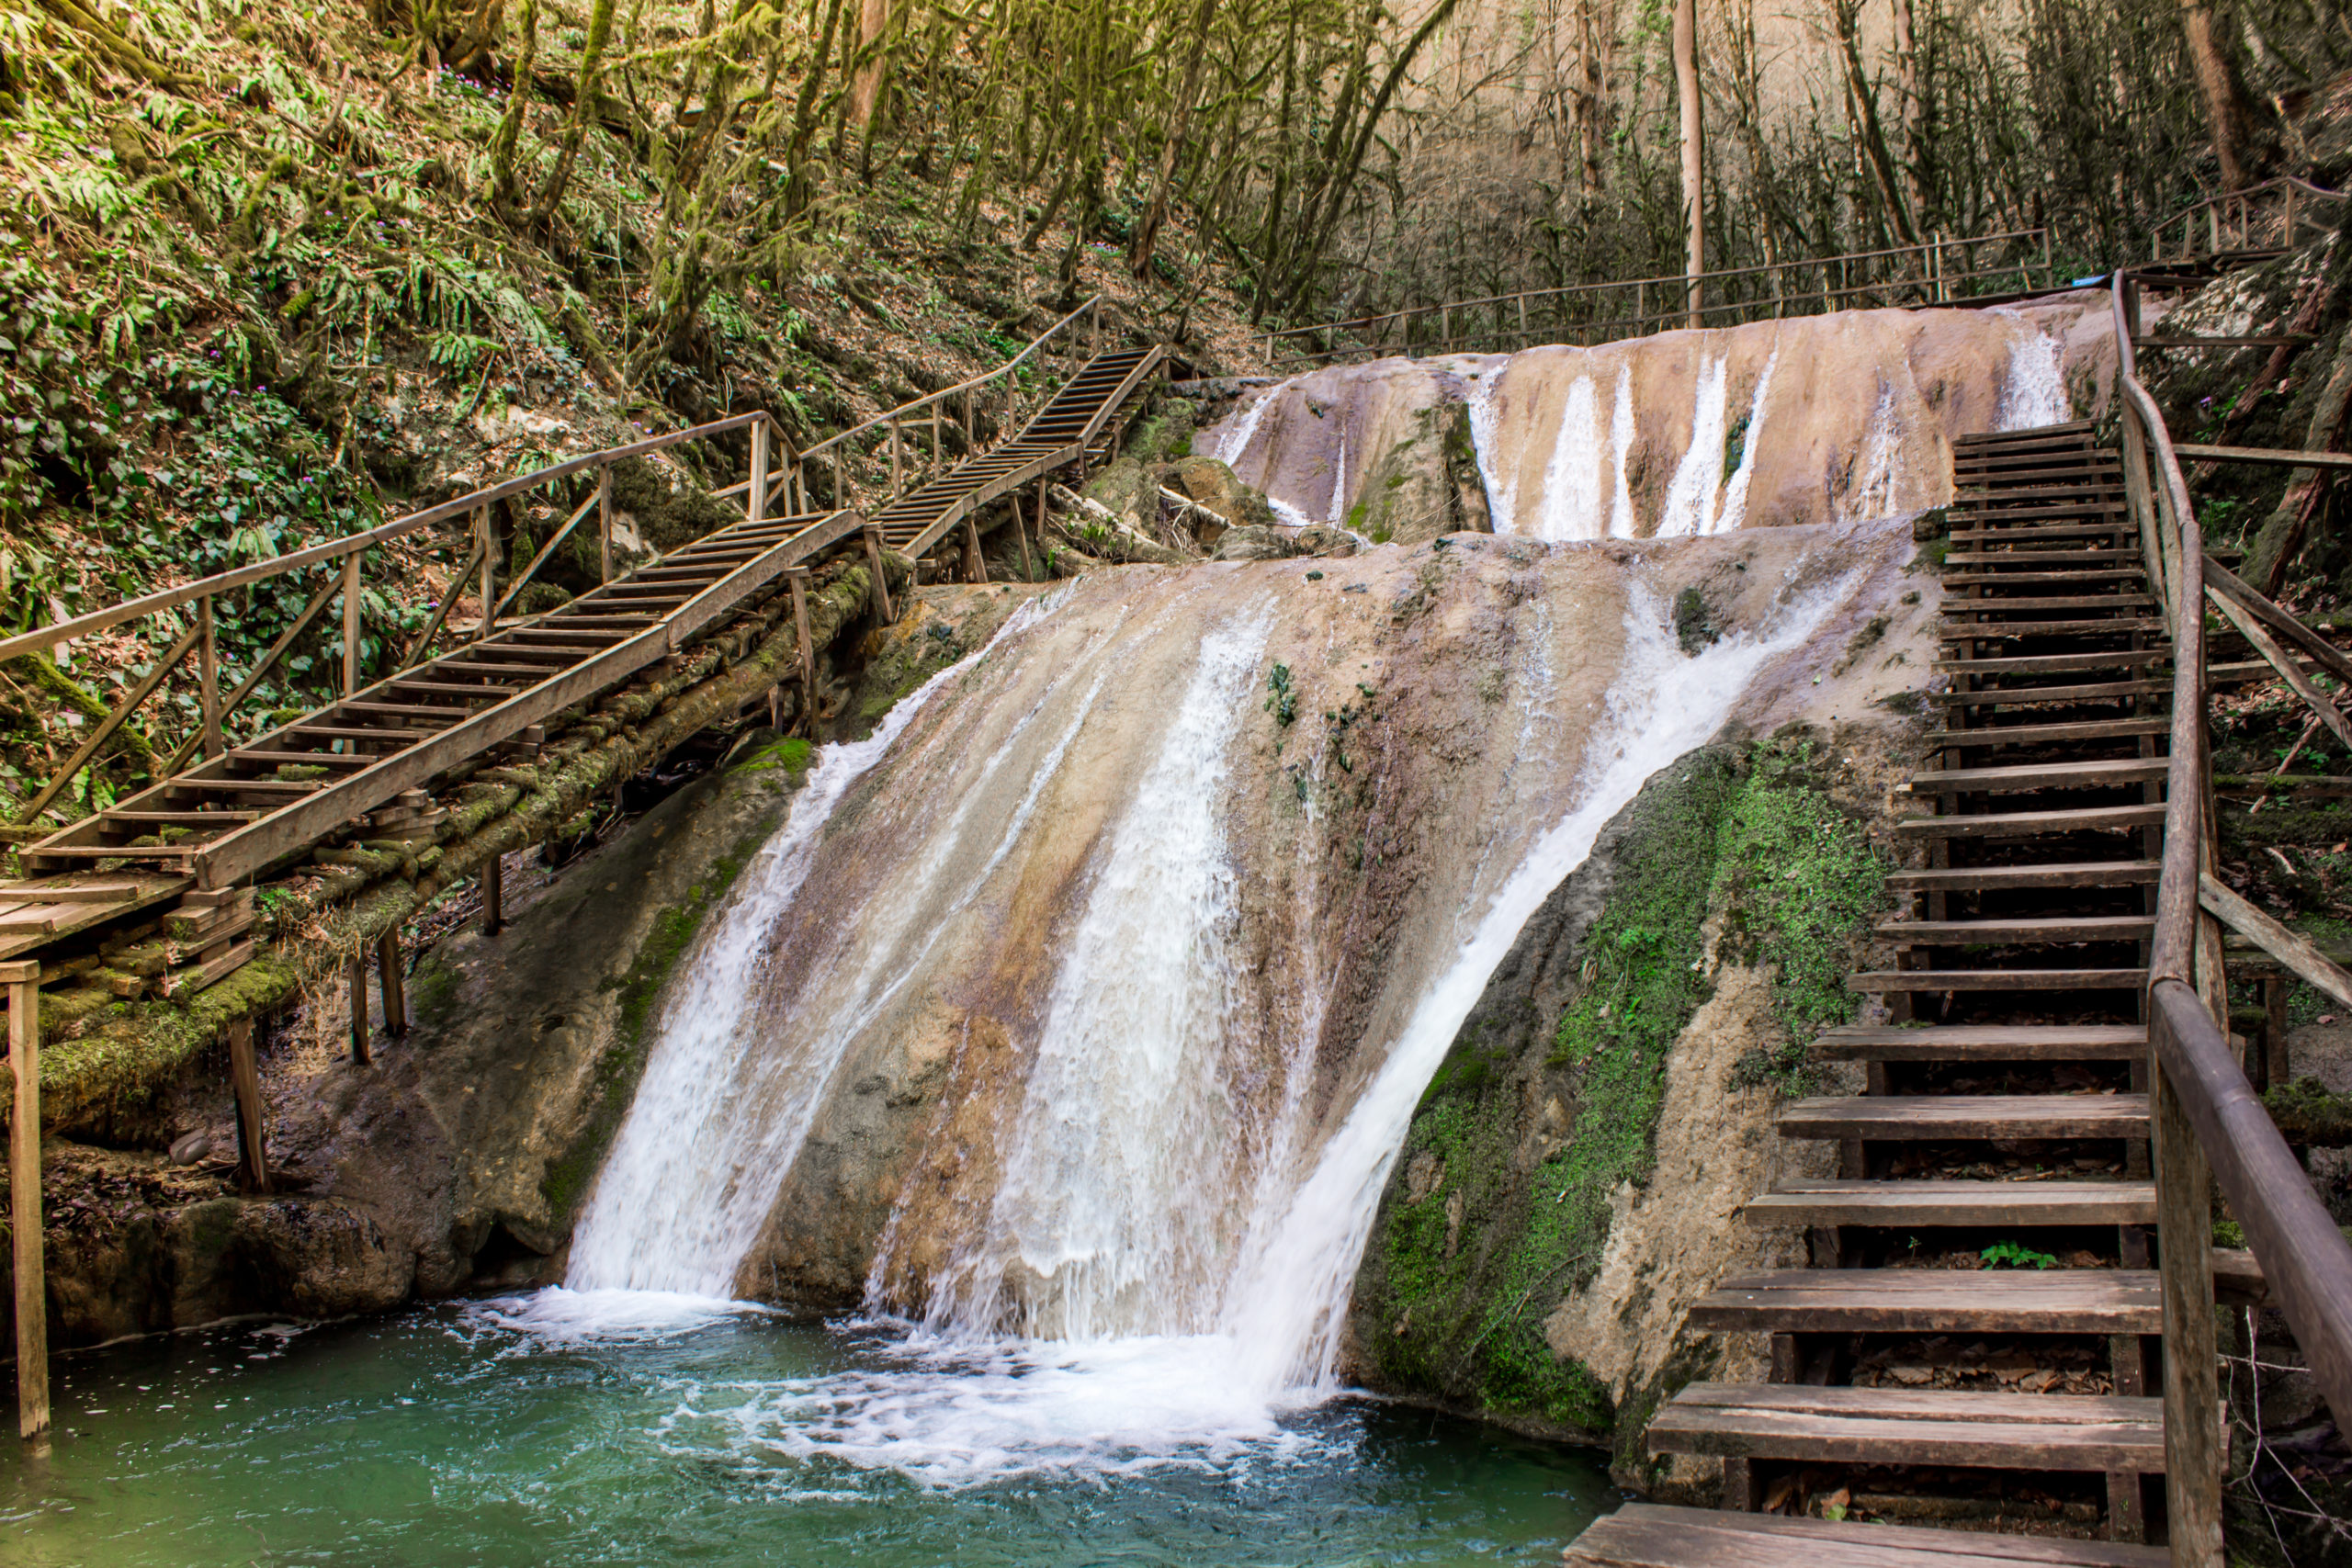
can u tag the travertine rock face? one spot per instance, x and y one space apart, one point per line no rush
1811 419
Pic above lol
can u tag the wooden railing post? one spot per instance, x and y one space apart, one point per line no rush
389 982
881 594
208 675
896 462
2192 1388
244 1079
351 619
755 499
605 523
494 896
23 979
798 577
357 969
489 571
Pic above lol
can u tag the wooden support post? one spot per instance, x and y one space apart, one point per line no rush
208 673
881 594
389 981
489 571
2192 1386
2278 1068
605 524
358 972
977 569
244 1077
897 462
351 618
494 896
23 979
755 499
1021 531
798 577
938 458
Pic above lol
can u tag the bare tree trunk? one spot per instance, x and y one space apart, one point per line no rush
1912 112
2213 82
873 17
1147 234
1686 82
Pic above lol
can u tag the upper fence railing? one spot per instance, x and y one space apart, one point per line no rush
871 465
2272 216
873 459
1942 270
2208 1122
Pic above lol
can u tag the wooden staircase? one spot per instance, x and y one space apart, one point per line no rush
2005 1098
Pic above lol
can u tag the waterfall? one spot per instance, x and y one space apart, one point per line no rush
1735 509
2034 390
1621 444
681 1194
1872 494
1571 502
1500 477
1112 1215
1286 1313
1698 481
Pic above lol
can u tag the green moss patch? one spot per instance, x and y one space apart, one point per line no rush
1491 1220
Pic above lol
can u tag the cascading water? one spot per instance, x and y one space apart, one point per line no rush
1571 505
1499 476
1735 508
2034 390
1690 506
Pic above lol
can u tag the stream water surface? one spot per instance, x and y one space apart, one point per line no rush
540 1433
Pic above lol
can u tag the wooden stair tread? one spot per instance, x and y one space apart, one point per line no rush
2005 929
1841 1201
2023 824
2039 775
2056 663
1935 1301
1892 1117
1650 1535
2048 734
1985 1042
1938 1426
1885 980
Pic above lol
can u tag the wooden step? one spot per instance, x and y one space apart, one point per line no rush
2013 931
2032 824
1911 1118
2078 574
1882 981
1983 1043
1979 510
2004 878
2018 696
1925 1426
1934 1301
2047 604
1984 559
2034 533
2057 663
2054 486
2049 734
2009 631
1650 1535
1964 1204
2043 775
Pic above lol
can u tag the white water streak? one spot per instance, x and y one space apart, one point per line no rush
1735 509
1286 1316
690 1175
1621 445
1114 1210
2034 391
1698 481
1500 477
1571 503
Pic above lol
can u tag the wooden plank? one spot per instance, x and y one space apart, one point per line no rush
2268 456
2288 669
1840 1201
1648 1535
2291 948
1910 1118
2016 928
2056 663
2043 733
197 976
2039 775
1934 1301
2079 1432
1894 980
2195 1441
2290 626
2025 697
72 893
1956 1042
2031 824
2043 603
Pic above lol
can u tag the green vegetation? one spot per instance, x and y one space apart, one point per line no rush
1461 1277
2014 1255
1282 700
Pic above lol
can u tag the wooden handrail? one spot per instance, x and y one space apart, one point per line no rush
2208 1122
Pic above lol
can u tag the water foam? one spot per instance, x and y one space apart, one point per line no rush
1571 502
1621 445
2034 391
1486 440
1735 509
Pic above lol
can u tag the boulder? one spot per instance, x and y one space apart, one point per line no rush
1255 542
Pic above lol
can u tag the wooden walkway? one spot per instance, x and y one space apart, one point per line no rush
190 840
2007 1101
